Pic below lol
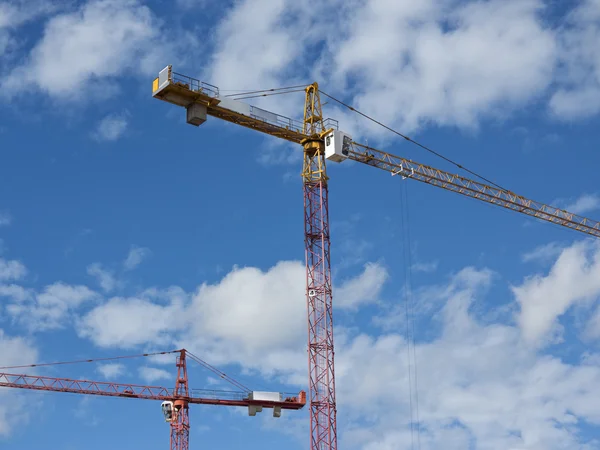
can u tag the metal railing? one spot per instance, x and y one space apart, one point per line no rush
256 113
194 85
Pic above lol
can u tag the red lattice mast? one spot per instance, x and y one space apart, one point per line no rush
180 426
318 279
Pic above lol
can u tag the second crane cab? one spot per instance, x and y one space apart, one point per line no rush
168 410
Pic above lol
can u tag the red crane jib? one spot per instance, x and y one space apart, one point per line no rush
197 396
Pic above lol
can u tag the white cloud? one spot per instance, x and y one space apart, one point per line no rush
428 301
471 374
15 292
18 12
458 62
105 278
257 317
102 38
543 253
472 378
14 350
15 14
579 92
135 257
239 35
127 322
5 218
111 370
152 374
364 288
11 270
592 327
50 309
426 267
111 127
574 278
584 204
189 4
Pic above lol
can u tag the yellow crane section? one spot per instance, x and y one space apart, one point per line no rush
202 99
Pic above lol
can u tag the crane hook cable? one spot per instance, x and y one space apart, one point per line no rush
409 307
413 141
89 360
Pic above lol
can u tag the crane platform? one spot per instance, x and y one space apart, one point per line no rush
202 99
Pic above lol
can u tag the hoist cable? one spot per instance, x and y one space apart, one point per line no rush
413 141
218 372
88 360
264 90
268 94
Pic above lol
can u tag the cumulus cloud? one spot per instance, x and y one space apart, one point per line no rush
105 278
111 127
239 34
51 308
258 317
15 14
543 253
472 375
5 218
469 389
11 270
458 62
18 12
573 279
426 267
100 39
15 292
471 379
111 370
14 350
584 204
135 257
153 374
364 288
579 92
127 322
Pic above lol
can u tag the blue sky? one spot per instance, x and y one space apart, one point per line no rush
124 230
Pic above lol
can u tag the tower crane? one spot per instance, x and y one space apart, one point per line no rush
322 141
175 402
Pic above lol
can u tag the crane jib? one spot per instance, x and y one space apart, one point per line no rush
455 183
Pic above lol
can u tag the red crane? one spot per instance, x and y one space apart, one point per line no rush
175 402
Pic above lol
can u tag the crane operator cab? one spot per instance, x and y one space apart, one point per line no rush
168 410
